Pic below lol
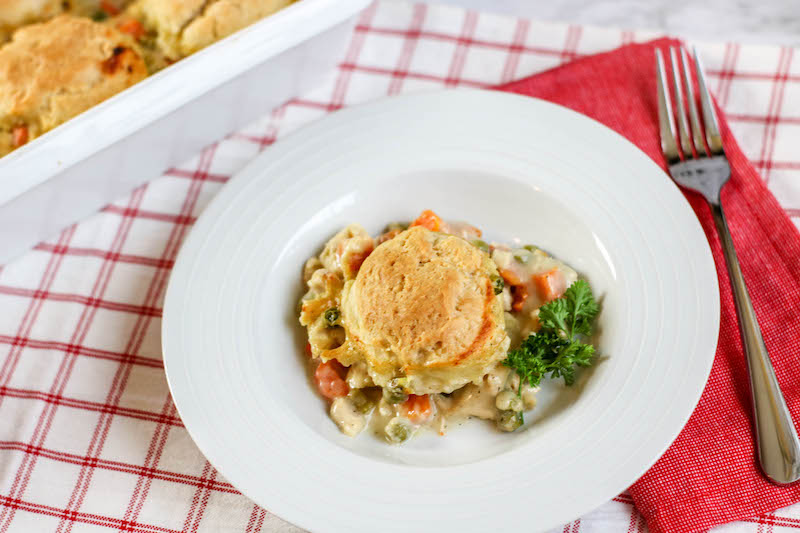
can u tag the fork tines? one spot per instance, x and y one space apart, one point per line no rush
686 144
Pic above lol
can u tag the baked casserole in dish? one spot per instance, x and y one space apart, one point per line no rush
61 58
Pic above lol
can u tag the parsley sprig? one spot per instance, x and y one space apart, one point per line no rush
557 349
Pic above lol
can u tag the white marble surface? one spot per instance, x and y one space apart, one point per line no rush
752 21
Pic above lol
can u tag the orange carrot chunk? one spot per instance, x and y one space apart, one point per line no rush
428 219
550 285
19 136
509 276
330 379
109 8
133 28
417 408
520 294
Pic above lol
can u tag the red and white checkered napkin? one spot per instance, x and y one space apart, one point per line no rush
89 438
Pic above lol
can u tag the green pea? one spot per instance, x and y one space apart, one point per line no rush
332 316
395 392
480 245
402 226
522 255
361 401
99 15
148 41
508 400
398 430
497 283
509 421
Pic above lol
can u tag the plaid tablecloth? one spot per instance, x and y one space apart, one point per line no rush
89 437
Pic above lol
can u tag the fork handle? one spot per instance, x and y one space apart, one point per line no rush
776 437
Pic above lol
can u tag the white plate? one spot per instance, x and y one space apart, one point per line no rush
521 169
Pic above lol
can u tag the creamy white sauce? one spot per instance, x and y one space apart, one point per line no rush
461 229
525 264
358 377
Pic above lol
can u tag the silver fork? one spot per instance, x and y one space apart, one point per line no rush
697 161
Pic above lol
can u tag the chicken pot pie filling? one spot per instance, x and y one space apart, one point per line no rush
427 325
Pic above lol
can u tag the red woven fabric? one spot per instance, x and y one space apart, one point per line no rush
710 474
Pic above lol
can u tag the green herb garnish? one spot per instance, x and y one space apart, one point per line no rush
572 314
557 349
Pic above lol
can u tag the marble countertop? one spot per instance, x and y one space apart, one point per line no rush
751 21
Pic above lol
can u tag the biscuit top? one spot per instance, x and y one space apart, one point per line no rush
424 301
55 70
186 26
422 293
169 16
15 13
224 17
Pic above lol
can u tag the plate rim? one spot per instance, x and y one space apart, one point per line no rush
213 210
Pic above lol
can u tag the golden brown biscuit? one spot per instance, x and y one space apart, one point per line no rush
185 26
423 307
52 71
17 13
223 18
167 19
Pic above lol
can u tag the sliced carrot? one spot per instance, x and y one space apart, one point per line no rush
330 379
519 290
109 7
417 408
428 219
133 28
520 294
19 135
550 285
509 276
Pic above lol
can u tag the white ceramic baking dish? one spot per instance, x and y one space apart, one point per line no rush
97 157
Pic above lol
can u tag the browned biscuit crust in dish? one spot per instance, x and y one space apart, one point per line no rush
60 57
224 17
186 26
423 307
17 13
52 71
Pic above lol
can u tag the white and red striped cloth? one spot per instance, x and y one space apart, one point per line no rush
89 437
